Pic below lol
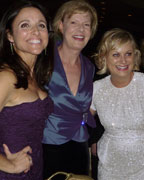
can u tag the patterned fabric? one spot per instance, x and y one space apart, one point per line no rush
23 125
121 112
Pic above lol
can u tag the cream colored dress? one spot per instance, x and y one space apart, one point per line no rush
121 112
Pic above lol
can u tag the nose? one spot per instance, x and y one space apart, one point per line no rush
81 27
123 59
35 30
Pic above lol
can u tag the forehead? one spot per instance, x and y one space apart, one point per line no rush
80 14
29 13
117 45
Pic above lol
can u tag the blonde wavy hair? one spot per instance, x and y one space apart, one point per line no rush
110 40
72 7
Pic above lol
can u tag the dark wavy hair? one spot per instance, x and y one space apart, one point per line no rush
44 64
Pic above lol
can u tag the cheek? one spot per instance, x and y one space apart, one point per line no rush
68 29
46 37
19 35
46 42
111 62
111 65
88 37
89 32
132 61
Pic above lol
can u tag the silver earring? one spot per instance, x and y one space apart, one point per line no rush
11 47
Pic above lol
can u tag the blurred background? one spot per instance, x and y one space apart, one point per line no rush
126 14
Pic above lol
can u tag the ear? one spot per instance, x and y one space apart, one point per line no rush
61 27
9 36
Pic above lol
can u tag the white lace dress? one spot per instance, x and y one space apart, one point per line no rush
121 112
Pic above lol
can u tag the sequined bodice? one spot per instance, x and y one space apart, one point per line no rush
121 112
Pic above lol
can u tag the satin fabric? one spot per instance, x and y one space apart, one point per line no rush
67 122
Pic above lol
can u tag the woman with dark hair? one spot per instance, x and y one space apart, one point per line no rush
25 66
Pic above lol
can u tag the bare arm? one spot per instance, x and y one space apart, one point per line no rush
20 161
17 162
92 112
94 149
7 81
93 146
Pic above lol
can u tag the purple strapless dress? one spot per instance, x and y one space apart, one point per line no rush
23 125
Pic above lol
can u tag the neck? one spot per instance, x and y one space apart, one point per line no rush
121 82
30 63
69 56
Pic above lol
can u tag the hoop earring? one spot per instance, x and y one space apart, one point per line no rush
11 47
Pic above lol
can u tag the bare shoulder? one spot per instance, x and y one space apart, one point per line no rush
7 76
7 86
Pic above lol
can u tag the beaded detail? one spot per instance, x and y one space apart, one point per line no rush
121 112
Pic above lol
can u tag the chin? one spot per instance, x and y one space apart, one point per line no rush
36 52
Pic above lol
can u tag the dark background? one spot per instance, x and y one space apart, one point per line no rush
126 14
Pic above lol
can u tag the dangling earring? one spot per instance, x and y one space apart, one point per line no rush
45 51
11 47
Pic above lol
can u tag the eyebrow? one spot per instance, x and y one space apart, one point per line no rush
26 20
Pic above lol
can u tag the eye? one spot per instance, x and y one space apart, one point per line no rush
129 54
87 25
115 55
73 22
24 25
42 26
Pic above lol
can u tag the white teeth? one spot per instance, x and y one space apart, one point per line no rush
79 37
35 41
122 67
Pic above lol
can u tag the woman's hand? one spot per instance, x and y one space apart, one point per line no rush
20 161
